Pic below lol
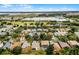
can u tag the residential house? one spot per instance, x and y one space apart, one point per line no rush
26 48
57 48
25 44
21 38
44 44
63 44
7 45
35 45
72 43
16 44
60 33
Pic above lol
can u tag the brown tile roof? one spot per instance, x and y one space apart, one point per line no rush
45 42
15 44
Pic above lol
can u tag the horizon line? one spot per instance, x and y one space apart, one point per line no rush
34 11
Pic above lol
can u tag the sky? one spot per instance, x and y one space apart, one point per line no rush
39 7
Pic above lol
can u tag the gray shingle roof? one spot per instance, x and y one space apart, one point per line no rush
25 44
7 45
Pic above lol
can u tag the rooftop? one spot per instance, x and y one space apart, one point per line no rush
45 42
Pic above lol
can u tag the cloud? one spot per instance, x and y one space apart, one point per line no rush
6 5
26 6
16 7
19 6
58 9
45 9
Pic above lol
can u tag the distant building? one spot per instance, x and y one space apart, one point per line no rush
44 19
5 18
72 14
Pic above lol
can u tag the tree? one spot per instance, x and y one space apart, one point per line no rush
2 23
72 36
37 24
73 29
49 50
28 38
27 50
38 52
25 27
15 35
6 52
43 36
74 50
49 36
35 36
18 30
17 50
1 50
42 25
62 38
9 23
4 37
65 51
